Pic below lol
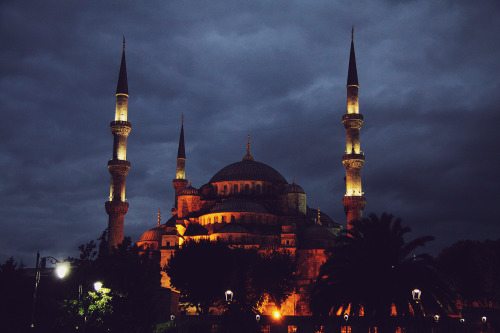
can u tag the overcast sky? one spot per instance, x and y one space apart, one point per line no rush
275 70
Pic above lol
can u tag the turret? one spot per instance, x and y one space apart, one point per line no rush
118 166
354 201
180 181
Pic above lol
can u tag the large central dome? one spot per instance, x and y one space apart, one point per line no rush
248 169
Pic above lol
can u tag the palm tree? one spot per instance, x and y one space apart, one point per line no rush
371 271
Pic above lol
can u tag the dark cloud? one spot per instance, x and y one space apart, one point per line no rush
275 70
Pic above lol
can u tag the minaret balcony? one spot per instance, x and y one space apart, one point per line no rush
118 166
120 127
352 120
353 160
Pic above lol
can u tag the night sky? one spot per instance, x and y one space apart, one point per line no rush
275 70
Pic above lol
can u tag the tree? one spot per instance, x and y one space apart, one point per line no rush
371 270
202 271
16 296
135 301
278 281
473 270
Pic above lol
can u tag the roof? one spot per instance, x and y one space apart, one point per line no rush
238 205
352 76
181 151
248 169
122 86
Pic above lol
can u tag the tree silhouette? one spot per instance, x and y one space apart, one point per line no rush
371 271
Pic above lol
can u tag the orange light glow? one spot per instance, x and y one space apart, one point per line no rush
276 315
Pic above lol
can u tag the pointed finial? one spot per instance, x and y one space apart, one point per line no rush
189 183
293 181
248 145
182 119
352 33
248 157
159 216
319 215
123 42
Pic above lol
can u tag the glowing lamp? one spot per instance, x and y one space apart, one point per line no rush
172 317
346 317
97 286
229 296
276 314
462 320
436 318
62 269
416 293
257 318
483 319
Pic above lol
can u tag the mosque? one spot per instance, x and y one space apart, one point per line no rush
245 204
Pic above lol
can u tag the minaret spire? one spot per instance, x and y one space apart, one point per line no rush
180 181
118 166
354 202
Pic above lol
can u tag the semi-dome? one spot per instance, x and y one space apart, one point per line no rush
248 169
152 235
237 205
232 228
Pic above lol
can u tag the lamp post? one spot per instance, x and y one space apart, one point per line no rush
229 296
62 269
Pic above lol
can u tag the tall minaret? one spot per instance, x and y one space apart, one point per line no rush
180 181
118 166
354 202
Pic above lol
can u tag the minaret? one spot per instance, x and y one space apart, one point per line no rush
354 202
180 181
118 166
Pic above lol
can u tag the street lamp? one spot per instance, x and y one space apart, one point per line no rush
97 286
257 318
229 296
416 293
483 319
62 269
436 318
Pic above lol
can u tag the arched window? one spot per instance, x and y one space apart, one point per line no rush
235 189
247 189
257 188
216 190
223 219
216 219
209 220
225 189
233 219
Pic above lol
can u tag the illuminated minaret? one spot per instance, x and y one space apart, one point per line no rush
180 181
118 166
354 202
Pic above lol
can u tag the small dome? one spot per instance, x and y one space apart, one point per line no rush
152 235
238 205
293 188
317 237
189 191
318 232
